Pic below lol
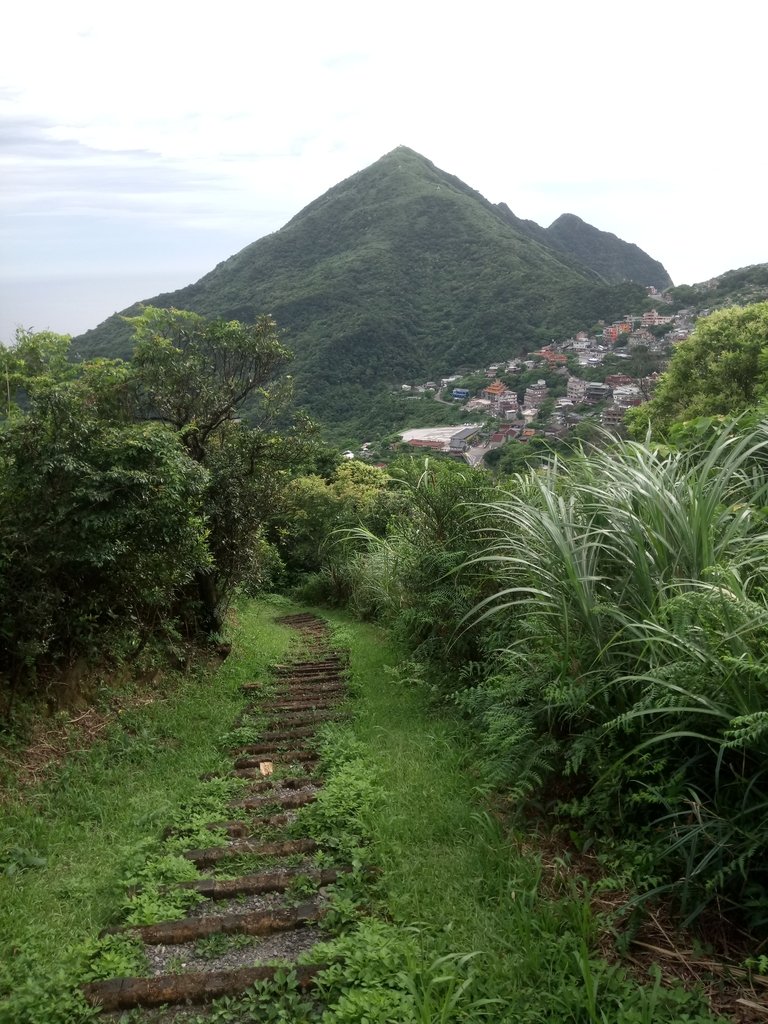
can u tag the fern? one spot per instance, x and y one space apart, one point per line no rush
747 731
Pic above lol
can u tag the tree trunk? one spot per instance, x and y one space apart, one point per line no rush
210 615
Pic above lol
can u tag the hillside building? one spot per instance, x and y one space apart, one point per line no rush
438 438
652 318
627 396
552 358
506 406
641 338
461 440
535 395
613 417
597 392
576 390
494 391
612 332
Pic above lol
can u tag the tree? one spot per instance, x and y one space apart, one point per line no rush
100 516
33 358
721 369
205 379
356 495
196 374
518 456
136 497
684 295
545 410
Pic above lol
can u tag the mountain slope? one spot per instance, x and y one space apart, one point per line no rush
733 288
399 271
612 258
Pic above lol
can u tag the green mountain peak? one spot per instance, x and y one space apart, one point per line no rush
399 271
612 258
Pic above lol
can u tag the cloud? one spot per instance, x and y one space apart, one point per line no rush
69 207
37 164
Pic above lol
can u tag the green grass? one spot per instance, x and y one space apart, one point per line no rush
470 919
462 929
100 817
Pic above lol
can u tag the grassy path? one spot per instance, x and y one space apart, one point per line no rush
68 846
457 926
463 889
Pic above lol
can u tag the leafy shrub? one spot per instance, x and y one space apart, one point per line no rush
100 528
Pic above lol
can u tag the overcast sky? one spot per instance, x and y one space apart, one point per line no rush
143 143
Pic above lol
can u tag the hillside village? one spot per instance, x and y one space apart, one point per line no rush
552 390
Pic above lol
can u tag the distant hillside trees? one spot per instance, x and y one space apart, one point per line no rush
733 288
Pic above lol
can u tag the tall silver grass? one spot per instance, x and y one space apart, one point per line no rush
645 570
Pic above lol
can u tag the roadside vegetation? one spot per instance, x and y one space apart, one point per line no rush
568 659
470 923
601 626
134 499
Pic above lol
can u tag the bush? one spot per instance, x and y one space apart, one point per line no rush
100 526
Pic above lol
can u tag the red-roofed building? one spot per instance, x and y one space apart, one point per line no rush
553 358
494 390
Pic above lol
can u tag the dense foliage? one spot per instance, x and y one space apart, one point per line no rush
403 565
612 258
602 624
194 375
597 615
733 288
133 500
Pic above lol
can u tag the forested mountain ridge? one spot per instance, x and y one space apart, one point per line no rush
738 287
612 258
401 270
588 248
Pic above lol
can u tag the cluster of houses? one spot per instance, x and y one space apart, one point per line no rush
617 393
515 411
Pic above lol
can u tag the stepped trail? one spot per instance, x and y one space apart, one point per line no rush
461 919
256 905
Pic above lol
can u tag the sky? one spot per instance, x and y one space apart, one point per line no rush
141 144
